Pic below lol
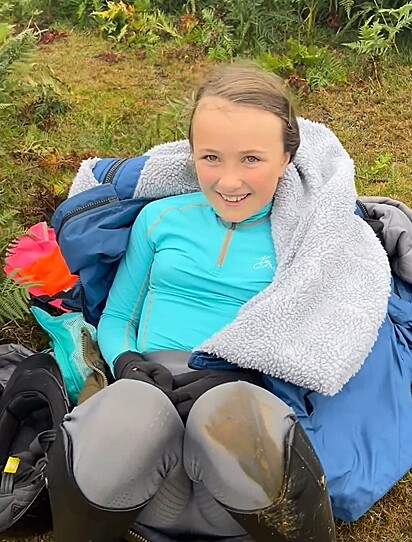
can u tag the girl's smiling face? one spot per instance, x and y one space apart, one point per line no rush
239 156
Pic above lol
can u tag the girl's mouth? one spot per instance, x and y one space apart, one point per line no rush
233 201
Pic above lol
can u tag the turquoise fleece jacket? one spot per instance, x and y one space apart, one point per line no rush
184 276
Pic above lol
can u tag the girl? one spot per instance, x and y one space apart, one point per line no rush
256 259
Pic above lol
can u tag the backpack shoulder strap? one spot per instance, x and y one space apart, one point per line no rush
122 173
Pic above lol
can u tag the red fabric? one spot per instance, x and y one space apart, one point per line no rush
36 257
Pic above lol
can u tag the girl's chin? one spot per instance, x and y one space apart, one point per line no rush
233 215
232 211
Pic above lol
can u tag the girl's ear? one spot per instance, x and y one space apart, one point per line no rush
285 162
285 158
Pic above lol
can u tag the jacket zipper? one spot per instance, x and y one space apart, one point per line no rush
136 536
91 354
225 245
363 207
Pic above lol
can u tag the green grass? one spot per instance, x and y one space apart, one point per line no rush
120 109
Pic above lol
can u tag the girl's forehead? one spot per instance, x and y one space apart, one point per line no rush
213 103
211 107
219 119
216 104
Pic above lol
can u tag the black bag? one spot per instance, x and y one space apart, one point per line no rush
32 406
10 357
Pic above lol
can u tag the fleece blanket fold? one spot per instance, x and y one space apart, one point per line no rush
315 324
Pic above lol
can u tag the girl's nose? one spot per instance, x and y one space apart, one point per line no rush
229 183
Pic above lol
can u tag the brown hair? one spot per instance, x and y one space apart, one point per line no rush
249 85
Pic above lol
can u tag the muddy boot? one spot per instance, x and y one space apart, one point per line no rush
102 476
302 512
74 517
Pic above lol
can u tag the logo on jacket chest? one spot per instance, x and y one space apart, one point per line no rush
265 262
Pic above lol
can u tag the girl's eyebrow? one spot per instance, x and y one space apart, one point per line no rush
253 151
248 151
211 151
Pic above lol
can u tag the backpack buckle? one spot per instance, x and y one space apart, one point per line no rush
12 465
9 471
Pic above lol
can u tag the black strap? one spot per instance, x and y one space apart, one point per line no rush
32 462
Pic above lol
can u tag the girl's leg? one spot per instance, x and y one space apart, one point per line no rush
244 445
121 446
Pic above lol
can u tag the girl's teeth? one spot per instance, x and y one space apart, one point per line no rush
233 198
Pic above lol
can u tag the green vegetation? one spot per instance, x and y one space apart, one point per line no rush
127 84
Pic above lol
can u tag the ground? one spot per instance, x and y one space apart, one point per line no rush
124 102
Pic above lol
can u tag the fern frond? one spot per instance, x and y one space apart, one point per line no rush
372 40
14 299
6 217
161 22
8 235
14 50
5 31
326 71
401 17
347 6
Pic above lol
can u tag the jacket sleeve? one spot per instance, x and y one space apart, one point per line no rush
117 329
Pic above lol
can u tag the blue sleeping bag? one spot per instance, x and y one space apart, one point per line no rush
363 435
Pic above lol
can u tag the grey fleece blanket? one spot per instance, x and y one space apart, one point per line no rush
318 320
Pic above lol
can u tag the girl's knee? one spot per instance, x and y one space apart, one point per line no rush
234 444
124 440
125 407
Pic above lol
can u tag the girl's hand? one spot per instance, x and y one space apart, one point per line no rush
188 387
132 365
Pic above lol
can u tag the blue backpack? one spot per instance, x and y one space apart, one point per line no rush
92 230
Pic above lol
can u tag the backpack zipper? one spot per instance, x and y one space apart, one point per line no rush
107 180
80 210
113 169
81 295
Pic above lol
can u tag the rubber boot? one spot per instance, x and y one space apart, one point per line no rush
303 511
75 518
31 409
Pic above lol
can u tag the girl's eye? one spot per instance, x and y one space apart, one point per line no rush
210 158
251 159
